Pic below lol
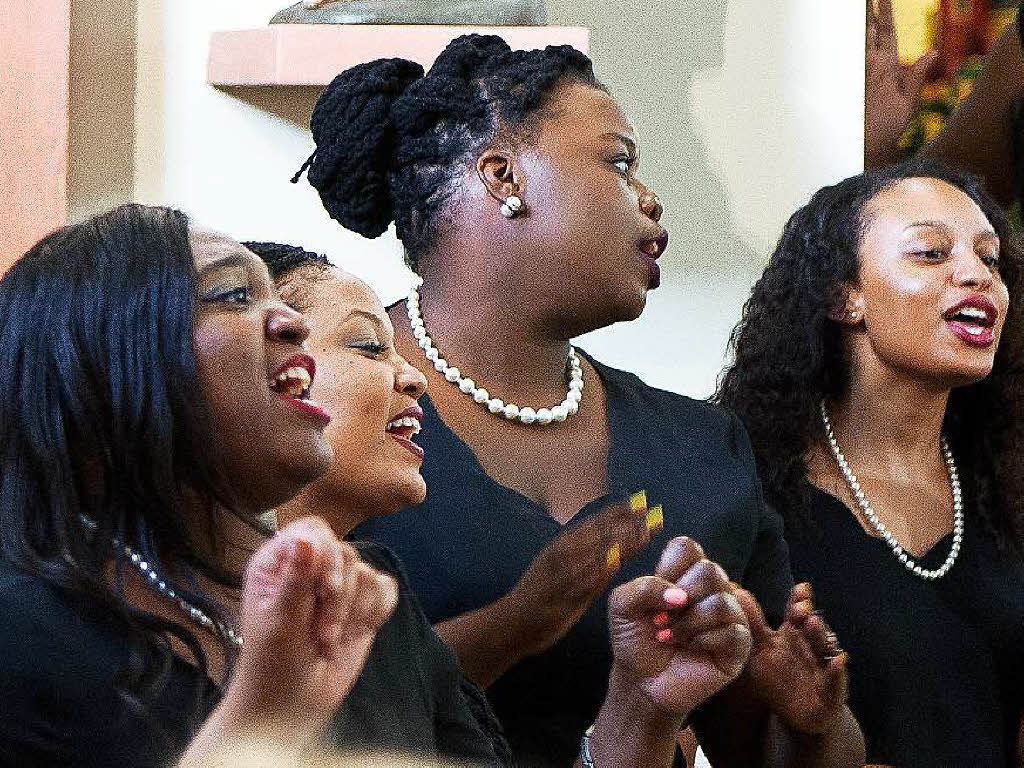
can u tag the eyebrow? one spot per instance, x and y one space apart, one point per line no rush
988 233
231 260
629 143
373 318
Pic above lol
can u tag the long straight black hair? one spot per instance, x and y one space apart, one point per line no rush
104 432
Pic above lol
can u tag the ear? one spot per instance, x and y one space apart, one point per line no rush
496 171
849 310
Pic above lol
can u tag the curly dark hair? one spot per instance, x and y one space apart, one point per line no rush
789 356
391 140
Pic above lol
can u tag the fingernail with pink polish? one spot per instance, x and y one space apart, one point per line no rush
663 636
675 596
660 619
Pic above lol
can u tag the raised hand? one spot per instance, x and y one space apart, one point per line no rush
310 612
891 90
798 670
680 634
571 572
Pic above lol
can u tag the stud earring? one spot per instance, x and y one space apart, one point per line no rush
512 206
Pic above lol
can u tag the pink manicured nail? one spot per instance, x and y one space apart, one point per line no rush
664 636
660 618
675 596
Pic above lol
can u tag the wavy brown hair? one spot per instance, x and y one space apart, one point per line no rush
789 356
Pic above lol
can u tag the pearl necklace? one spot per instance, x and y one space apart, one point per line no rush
569 406
879 526
200 617
158 584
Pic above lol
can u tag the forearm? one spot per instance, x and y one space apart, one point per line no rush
631 731
232 729
841 746
490 640
978 135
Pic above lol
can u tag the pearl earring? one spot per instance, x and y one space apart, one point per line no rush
512 206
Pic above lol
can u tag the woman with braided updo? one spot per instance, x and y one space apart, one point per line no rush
511 179
878 368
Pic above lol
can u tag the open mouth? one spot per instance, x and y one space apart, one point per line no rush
404 426
651 249
973 320
292 382
655 246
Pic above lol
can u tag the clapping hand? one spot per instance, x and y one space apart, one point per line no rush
679 635
571 572
311 609
798 670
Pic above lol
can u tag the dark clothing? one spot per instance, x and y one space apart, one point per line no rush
62 698
935 666
61 661
471 540
411 696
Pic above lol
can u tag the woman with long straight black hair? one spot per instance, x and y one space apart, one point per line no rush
154 400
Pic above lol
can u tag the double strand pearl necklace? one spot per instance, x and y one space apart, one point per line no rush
879 526
569 406
160 585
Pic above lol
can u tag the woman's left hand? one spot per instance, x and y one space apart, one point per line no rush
798 670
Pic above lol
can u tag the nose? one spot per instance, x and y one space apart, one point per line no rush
650 205
970 271
408 379
286 325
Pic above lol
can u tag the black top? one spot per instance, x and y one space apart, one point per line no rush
935 666
411 696
61 658
471 540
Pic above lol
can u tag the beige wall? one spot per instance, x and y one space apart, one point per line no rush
743 108
102 106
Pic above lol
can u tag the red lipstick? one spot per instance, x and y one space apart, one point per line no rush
405 425
973 320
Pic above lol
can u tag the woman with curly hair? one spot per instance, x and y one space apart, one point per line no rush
511 177
877 369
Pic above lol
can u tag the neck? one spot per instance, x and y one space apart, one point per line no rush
313 502
526 365
890 420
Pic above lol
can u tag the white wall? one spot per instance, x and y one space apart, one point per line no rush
744 108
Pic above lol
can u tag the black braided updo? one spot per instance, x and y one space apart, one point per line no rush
390 140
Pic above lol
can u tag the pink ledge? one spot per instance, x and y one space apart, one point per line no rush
312 54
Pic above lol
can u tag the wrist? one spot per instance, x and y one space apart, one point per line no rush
627 697
526 633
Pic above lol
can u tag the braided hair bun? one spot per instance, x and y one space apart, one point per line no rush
355 142
390 140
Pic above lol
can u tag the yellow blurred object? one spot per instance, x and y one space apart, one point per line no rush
655 519
932 124
915 27
613 558
638 501
963 87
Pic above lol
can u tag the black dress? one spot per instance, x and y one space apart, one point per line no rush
471 540
61 663
935 666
